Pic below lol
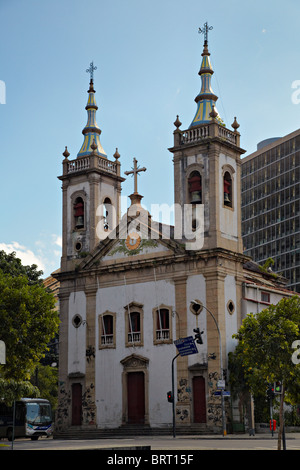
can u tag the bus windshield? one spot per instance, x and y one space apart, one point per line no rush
38 413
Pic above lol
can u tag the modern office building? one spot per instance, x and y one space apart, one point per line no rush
271 205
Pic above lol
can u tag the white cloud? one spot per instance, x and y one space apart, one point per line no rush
57 240
45 252
25 254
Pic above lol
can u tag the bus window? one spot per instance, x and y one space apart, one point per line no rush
38 413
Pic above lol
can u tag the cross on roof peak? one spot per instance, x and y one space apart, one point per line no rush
135 171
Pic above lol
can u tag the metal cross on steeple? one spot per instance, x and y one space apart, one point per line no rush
91 69
205 30
135 172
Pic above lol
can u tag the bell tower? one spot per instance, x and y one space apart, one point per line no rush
207 167
91 186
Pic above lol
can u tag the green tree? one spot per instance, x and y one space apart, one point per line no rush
45 379
13 266
264 353
28 322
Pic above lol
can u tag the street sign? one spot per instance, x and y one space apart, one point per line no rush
226 393
221 384
186 346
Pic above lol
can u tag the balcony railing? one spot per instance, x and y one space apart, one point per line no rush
196 134
162 334
107 339
91 161
134 337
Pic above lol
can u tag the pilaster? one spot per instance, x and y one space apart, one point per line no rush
89 408
183 404
216 339
63 412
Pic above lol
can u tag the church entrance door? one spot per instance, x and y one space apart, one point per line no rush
199 400
76 404
136 397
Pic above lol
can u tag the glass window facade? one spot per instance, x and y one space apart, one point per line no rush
271 207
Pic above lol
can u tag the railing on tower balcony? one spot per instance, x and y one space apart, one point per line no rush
78 165
204 131
92 161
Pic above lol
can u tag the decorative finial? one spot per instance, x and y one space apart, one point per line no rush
94 146
204 31
213 114
116 154
66 154
235 125
90 70
177 123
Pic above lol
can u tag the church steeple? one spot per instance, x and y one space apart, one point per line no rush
206 99
207 171
91 130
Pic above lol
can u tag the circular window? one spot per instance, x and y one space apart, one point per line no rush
77 320
78 246
230 307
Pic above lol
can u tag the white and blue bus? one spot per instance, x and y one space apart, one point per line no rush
33 418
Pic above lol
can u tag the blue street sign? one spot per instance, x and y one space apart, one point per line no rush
226 393
186 346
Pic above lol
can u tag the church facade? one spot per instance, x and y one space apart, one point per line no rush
130 287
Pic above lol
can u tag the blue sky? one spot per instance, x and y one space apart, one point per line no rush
148 55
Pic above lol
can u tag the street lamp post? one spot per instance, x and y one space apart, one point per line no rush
196 303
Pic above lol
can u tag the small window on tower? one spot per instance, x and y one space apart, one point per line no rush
227 189
195 188
107 213
79 213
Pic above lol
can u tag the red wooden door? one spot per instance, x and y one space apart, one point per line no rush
76 404
136 397
199 400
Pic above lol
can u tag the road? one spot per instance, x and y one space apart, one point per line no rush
158 443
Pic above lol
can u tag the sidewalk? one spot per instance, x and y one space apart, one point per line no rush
165 444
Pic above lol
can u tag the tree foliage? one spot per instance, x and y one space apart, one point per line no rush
265 349
28 322
11 265
45 379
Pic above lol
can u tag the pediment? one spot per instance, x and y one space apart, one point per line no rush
133 242
135 361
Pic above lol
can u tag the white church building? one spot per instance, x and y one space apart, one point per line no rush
130 287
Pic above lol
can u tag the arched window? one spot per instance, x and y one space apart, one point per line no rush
134 327
79 213
195 195
134 324
107 330
195 188
227 182
107 209
162 324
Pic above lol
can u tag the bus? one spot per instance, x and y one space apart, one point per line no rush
33 418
